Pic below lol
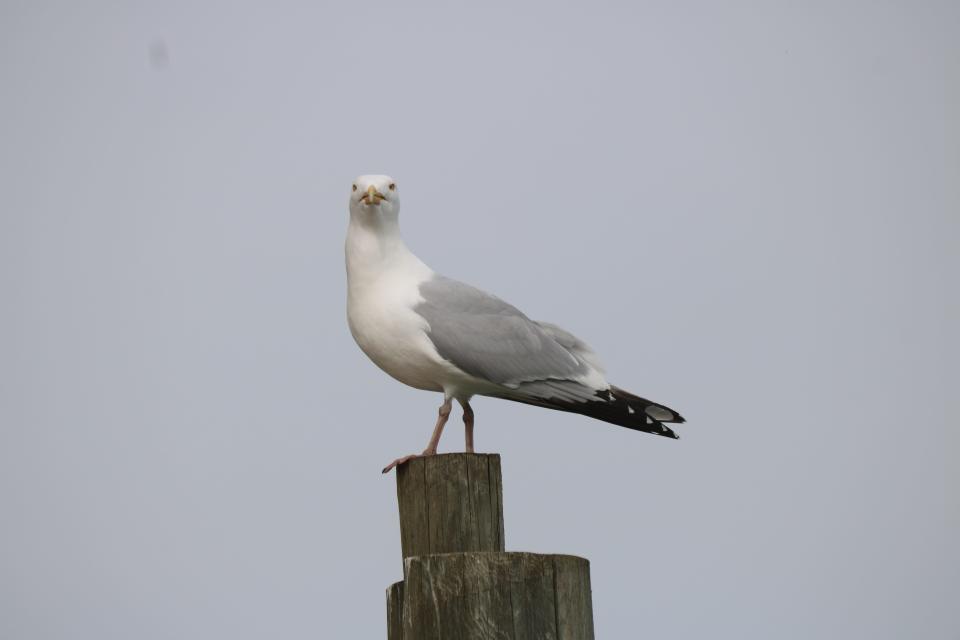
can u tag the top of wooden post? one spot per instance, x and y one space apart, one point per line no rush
449 503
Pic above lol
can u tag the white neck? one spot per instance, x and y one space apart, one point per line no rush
375 250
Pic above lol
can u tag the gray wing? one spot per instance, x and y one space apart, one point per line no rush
572 343
493 340
535 362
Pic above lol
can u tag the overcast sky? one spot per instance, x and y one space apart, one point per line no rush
750 210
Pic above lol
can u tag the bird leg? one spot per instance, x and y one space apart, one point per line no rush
434 439
468 425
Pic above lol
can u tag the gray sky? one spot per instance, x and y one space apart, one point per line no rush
750 211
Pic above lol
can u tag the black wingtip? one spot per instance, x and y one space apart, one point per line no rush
665 431
613 405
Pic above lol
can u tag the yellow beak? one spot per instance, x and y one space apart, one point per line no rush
372 196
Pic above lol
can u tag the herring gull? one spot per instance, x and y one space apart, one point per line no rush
434 333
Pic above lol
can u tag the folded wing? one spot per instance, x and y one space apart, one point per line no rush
532 362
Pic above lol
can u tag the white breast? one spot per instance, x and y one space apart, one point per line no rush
385 326
383 288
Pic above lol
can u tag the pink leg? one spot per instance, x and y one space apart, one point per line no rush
434 439
468 425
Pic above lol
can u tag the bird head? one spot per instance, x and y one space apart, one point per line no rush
374 198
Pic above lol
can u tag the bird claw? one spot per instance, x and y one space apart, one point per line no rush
400 461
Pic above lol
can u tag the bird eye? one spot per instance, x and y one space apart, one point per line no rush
393 186
354 187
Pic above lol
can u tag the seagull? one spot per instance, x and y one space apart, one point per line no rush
437 334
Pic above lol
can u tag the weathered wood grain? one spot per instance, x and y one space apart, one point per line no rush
497 596
395 611
458 581
449 503
574 599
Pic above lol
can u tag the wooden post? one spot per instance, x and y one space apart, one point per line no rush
395 611
450 502
458 581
